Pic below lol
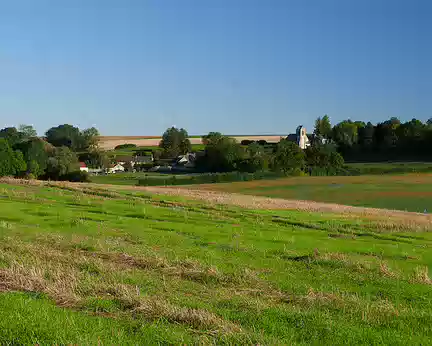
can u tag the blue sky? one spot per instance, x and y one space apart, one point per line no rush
135 67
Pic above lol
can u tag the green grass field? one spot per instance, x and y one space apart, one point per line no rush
411 192
92 266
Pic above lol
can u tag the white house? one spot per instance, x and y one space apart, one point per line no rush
83 167
186 160
116 168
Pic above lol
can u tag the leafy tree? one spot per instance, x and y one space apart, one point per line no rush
385 135
411 132
345 134
18 162
89 139
11 162
212 138
222 154
323 127
11 134
64 136
63 162
366 136
288 157
255 159
35 153
323 156
27 131
175 142
95 158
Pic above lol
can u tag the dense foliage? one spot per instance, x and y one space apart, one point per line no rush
175 142
288 158
125 146
23 154
56 156
11 162
388 140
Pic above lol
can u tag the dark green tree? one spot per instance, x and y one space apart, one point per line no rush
222 154
63 162
12 135
89 139
175 142
95 158
65 136
35 153
323 156
366 136
345 134
11 162
212 137
255 159
385 135
27 131
288 158
323 127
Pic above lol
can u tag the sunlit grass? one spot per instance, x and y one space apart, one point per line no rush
130 268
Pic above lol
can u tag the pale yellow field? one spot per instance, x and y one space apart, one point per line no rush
110 142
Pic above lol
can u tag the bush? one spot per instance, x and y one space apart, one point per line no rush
206 178
246 142
125 146
77 177
11 162
143 166
288 158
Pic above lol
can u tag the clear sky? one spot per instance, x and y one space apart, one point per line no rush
236 66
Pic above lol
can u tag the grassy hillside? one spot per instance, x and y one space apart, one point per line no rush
93 266
411 192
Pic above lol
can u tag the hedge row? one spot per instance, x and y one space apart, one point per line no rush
211 178
206 178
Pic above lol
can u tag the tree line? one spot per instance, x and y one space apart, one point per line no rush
224 154
330 147
387 140
55 156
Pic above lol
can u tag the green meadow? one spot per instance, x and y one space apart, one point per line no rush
84 265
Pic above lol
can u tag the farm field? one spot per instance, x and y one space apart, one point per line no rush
131 151
110 142
411 192
85 265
